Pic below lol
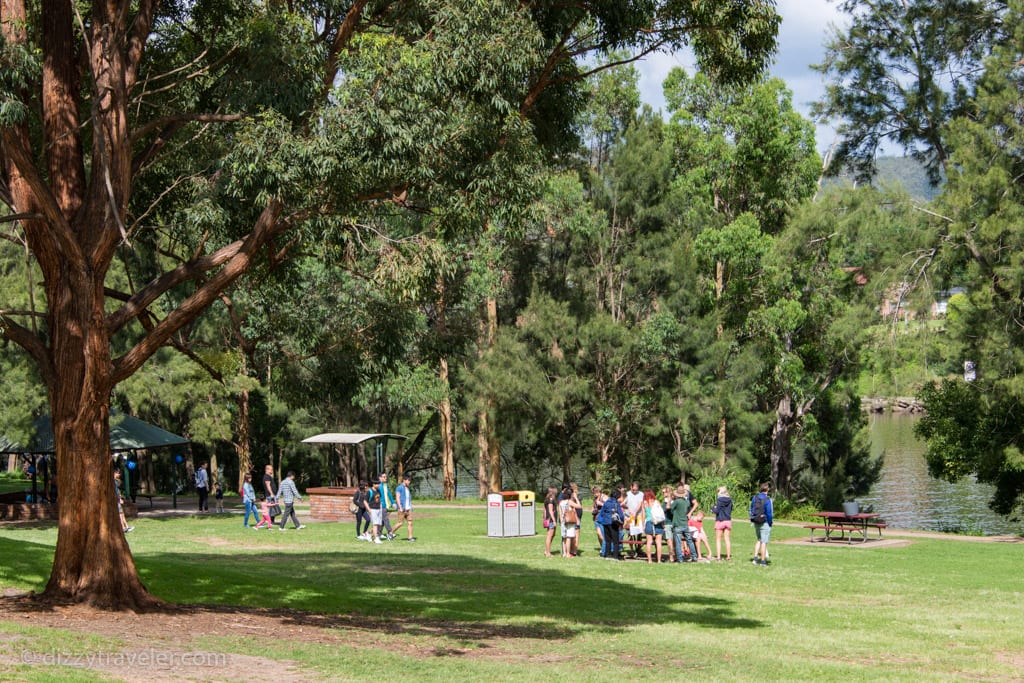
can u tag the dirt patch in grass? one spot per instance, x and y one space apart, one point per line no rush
171 645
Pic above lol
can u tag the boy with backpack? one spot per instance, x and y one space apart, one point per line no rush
761 517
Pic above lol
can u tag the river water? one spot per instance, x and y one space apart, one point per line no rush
908 498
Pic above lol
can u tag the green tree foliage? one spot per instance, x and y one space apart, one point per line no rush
976 427
740 149
900 72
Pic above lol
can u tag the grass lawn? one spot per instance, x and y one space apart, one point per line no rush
458 606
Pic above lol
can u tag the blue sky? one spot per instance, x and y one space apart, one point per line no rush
804 29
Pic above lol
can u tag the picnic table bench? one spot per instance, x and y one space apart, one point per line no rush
843 527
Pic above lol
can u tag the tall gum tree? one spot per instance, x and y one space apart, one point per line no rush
310 120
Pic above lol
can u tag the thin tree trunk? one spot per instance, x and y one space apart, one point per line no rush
490 448
447 438
244 444
494 450
483 446
781 468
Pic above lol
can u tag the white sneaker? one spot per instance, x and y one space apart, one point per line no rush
378 541
301 526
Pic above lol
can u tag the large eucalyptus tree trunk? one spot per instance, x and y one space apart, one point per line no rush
92 562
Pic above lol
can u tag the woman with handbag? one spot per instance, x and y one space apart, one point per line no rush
550 518
569 510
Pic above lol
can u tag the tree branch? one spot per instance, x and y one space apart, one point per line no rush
234 266
341 40
58 230
141 27
23 337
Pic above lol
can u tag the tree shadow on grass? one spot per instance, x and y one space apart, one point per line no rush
459 597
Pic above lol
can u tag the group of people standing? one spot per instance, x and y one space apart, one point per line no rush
639 518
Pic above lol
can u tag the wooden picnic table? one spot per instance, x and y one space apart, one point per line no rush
839 526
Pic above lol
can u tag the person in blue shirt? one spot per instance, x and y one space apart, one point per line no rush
386 503
249 498
403 495
611 517
760 505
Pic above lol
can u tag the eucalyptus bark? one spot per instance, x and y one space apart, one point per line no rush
447 437
243 447
487 441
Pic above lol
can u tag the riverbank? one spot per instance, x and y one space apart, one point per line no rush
898 405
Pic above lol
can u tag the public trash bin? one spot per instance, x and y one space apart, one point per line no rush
851 508
510 506
503 514
527 513
495 520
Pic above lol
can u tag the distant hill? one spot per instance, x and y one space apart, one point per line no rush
893 171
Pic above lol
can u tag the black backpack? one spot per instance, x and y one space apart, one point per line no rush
757 513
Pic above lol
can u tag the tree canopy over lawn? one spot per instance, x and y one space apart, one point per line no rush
155 152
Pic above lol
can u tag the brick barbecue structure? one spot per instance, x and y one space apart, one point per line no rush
330 503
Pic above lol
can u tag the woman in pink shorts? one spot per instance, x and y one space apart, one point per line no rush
723 523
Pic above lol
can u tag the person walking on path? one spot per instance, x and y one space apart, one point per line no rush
264 522
372 505
762 518
723 523
203 487
403 498
288 494
268 487
249 498
362 512
386 503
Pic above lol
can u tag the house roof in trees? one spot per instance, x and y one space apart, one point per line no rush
127 433
350 438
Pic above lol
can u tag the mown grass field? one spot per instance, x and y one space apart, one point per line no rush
458 606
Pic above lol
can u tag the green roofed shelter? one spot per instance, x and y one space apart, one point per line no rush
127 433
